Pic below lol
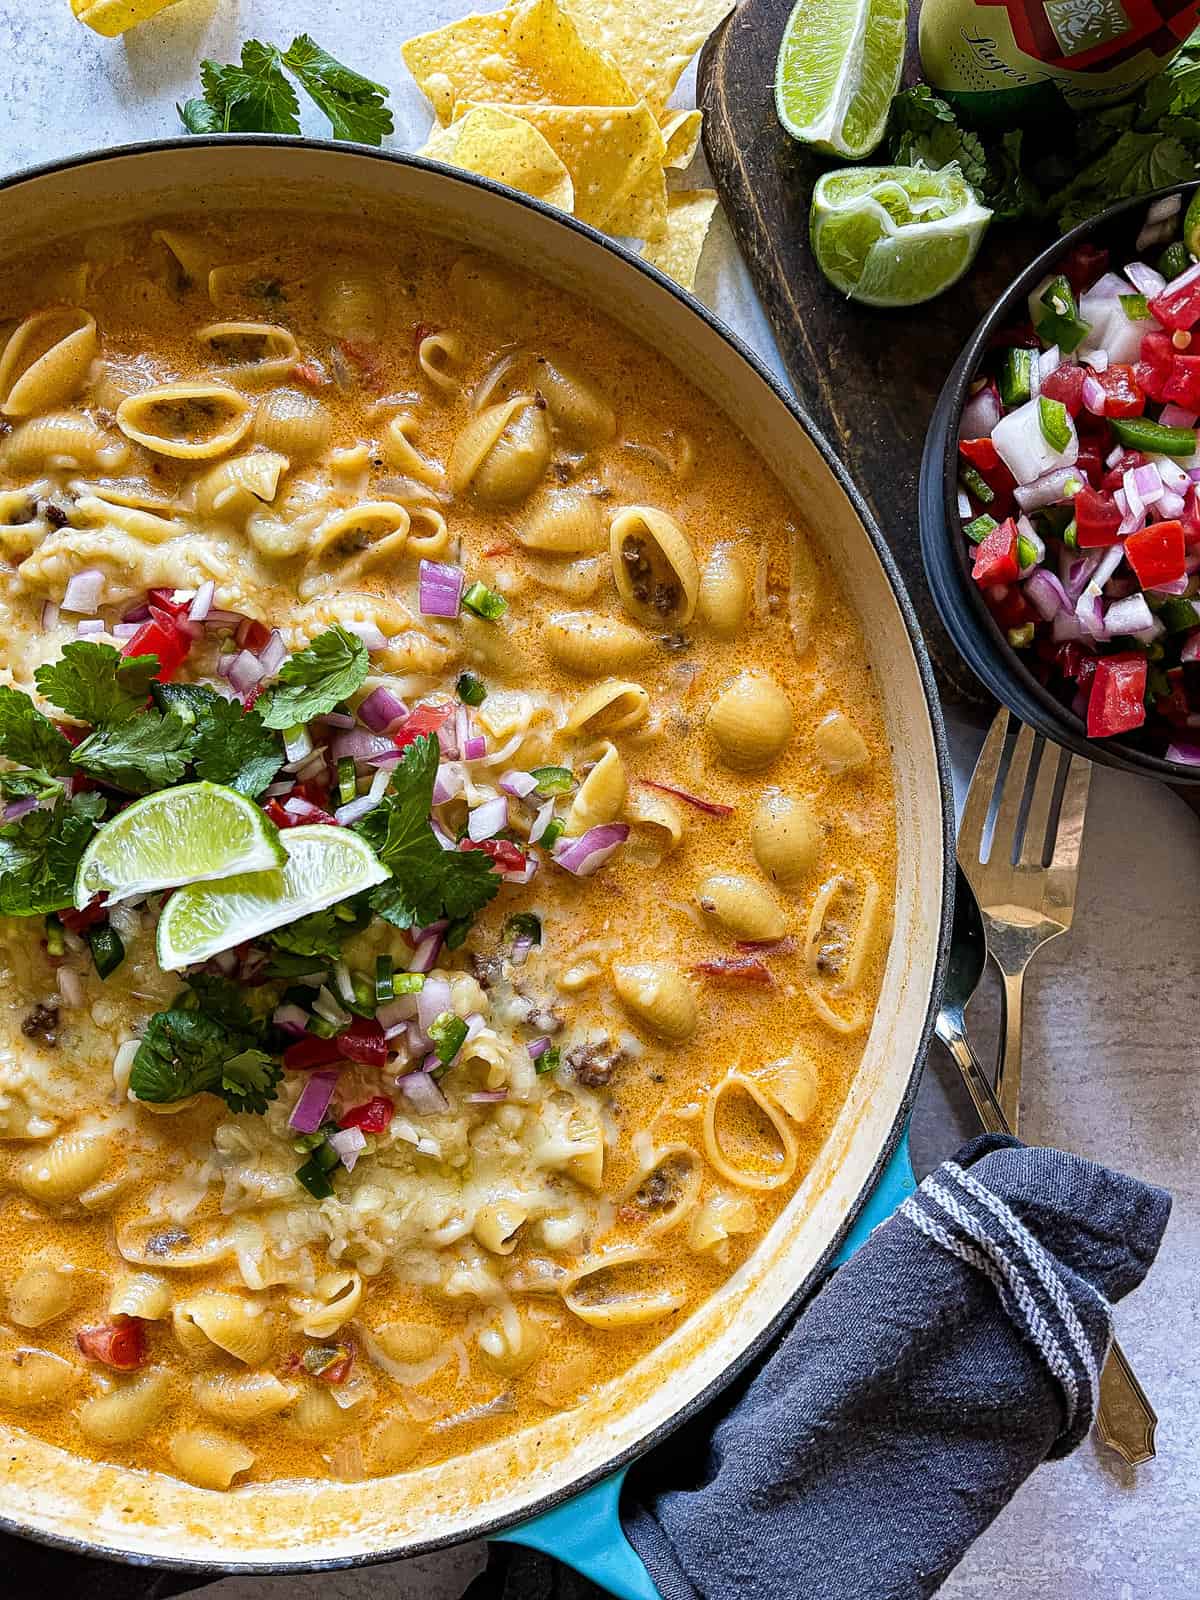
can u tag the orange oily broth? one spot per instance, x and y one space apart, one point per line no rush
630 911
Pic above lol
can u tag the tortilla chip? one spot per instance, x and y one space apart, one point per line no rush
689 213
506 148
615 157
530 52
651 41
681 134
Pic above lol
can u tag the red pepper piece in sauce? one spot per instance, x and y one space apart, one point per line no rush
120 1345
736 972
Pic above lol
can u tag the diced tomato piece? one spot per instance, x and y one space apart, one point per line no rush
1117 703
1183 384
160 638
1154 364
251 634
1065 383
1157 553
311 1051
373 1116
1074 661
363 354
120 1344
419 722
1123 395
1007 603
737 972
1089 463
363 1041
495 551
1115 476
1096 519
315 792
338 1371
312 373
79 921
996 556
507 856
164 600
983 456
1084 266
1178 308
301 816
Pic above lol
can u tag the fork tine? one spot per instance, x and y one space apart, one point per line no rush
1033 846
1071 816
983 784
1008 815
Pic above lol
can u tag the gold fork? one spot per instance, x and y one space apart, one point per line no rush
1024 870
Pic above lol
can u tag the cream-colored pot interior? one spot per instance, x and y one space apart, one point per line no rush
159 1519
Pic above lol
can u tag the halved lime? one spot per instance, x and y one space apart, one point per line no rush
324 865
894 236
185 835
837 71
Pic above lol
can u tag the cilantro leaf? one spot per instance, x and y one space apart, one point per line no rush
39 856
254 97
923 131
427 882
315 680
199 116
148 753
32 781
231 746
1134 164
185 1052
218 997
353 104
29 738
95 683
319 934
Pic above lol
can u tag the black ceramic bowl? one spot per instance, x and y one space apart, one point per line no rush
959 601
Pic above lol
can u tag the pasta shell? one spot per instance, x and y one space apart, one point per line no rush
667 1188
293 423
751 722
46 360
62 441
743 906
438 354
362 536
398 448
317 1416
601 796
409 1342
502 453
793 1081
785 836
839 744
33 1378
351 305
232 489
209 1460
241 1397
580 411
593 646
718 1218
140 1294
241 1327
250 353
614 706
512 1350
187 421
724 596
656 994
659 825
564 521
654 567
746 1138
129 1411
42 1292
391 1445
337 1299
67 1166
192 254
622 1289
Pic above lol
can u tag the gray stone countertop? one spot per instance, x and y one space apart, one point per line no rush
1112 1067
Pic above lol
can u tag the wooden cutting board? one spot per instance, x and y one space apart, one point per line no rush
869 379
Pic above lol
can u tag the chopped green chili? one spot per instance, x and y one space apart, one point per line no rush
1054 423
553 833
1139 433
1027 553
1062 324
471 690
347 779
385 978
1021 638
56 942
447 1034
979 527
485 602
548 1060
1135 306
108 951
553 780
523 925
974 482
1016 376
1174 260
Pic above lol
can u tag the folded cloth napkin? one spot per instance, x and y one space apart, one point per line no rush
958 1348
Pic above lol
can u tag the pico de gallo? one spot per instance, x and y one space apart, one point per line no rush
1079 491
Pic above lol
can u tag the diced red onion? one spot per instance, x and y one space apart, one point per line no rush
354 810
964 506
340 720
381 708
1049 361
1187 755
440 834
273 654
519 953
980 414
1173 416
345 983
432 1000
1191 648
309 1110
1046 594
87 626
486 821
1128 616
1096 359
462 726
16 809
1065 627
448 741
1114 456
475 748
349 1144
396 1013
1094 396
223 619
584 855
202 604
1090 614
292 1019
1144 279
327 1008
449 782
70 986
518 784
538 1047
49 614
1047 490
1171 505
440 588
83 592
541 822
486 1097
360 744
1149 483
245 670
371 634
424 957
125 630
1108 563
422 1093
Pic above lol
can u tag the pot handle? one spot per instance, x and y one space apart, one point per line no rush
585 1532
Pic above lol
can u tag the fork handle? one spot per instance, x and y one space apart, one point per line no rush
1125 1419
1008 1070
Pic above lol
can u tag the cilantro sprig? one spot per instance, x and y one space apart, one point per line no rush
427 882
316 679
40 854
208 1042
257 96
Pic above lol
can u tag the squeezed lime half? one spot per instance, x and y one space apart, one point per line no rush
837 71
895 236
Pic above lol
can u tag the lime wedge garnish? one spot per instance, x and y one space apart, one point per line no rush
837 71
184 835
324 865
894 236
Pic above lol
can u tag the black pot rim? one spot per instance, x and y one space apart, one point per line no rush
483 1526
959 600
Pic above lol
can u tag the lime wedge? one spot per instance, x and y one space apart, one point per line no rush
1191 225
894 236
324 865
837 71
184 835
